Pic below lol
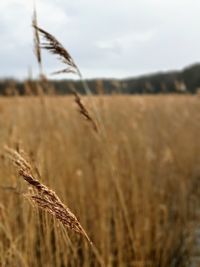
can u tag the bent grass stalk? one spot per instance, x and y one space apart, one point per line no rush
52 45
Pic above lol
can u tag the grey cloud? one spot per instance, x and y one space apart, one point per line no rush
115 37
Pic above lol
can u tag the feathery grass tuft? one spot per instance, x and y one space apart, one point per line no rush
55 47
44 197
36 40
83 111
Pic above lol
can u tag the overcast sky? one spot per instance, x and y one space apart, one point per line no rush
106 38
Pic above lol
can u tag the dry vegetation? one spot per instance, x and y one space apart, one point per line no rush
133 185
128 167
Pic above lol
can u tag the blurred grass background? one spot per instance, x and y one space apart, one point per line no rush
135 188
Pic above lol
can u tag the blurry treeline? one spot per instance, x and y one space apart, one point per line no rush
185 81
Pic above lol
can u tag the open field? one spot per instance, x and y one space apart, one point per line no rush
134 185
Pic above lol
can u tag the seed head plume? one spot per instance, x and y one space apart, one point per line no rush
83 110
36 40
43 197
55 47
68 70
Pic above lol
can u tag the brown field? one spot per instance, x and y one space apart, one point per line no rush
134 185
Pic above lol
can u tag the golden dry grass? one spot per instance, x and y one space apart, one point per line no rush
134 185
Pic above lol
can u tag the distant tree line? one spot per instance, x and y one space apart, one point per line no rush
185 81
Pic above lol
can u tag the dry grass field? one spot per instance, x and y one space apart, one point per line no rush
134 185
